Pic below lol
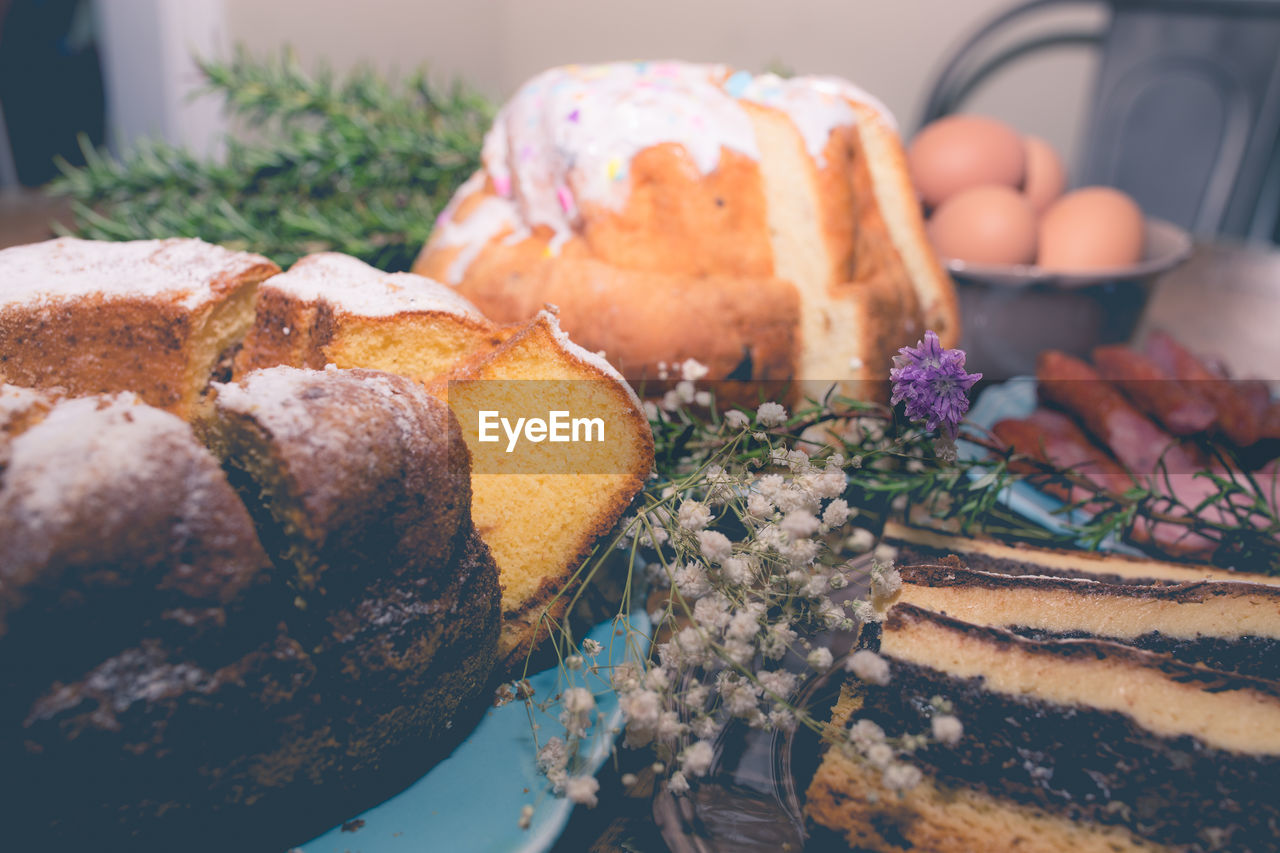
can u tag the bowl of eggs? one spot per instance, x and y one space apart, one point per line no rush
1037 266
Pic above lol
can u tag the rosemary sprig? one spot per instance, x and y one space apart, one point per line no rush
358 165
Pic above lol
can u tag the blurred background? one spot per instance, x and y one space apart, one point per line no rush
61 61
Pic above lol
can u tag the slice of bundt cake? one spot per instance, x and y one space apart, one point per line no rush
1225 625
155 317
335 309
1061 745
918 545
763 226
540 500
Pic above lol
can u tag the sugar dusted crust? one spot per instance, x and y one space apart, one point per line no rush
720 229
150 316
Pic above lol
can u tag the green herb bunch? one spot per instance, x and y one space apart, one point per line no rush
357 165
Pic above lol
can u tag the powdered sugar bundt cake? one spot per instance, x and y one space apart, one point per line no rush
167 683
763 226
538 513
151 316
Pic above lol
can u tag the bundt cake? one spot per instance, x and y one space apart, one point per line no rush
334 309
155 317
168 683
763 226
539 509
1062 745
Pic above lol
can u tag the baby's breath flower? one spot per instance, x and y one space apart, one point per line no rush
865 733
745 622
692 581
685 391
582 790
696 758
591 647
777 640
705 727
902 777
628 779
860 540
526 816
678 784
759 507
864 612
771 415
868 666
736 570
573 662
641 708
739 652
782 719
695 697
702 398
947 729
657 679
693 515
778 682
715 546
714 610
880 755
799 524
691 370
669 727
820 659
836 513
886 583
552 756
736 419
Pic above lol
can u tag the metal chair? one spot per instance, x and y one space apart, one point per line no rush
1186 110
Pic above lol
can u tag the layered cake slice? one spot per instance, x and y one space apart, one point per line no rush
917 545
156 317
331 308
1067 745
1230 626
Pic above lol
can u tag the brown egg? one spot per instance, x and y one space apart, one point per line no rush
985 225
1090 229
1046 178
958 152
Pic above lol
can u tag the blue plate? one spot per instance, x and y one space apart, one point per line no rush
471 801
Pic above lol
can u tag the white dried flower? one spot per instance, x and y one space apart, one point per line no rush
705 727
526 816
759 507
868 666
802 552
552 756
628 779
678 784
860 540
886 552
736 419
736 570
771 415
685 391
777 640
657 679
641 708
573 662
820 659
815 586
714 610
696 758
739 652
902 777
864 733
693 515
782 719
696 696
670 401
864 612
650 410
669 727
591 647
947 729
886 583
702 398
778 682
715 546
799 524
691 370
880 755
582 790
836 513
692 581
745 623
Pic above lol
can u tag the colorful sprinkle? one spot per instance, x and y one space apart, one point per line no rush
614 168
574 116
737 83
565 198
502 185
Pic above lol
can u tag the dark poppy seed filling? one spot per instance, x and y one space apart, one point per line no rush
1247 655
1085 764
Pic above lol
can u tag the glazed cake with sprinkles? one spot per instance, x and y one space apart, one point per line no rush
763 226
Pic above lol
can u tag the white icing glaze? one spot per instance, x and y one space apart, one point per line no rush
352 286
592 359
570 133
491 216
181 270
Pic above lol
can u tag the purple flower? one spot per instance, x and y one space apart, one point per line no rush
932 382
